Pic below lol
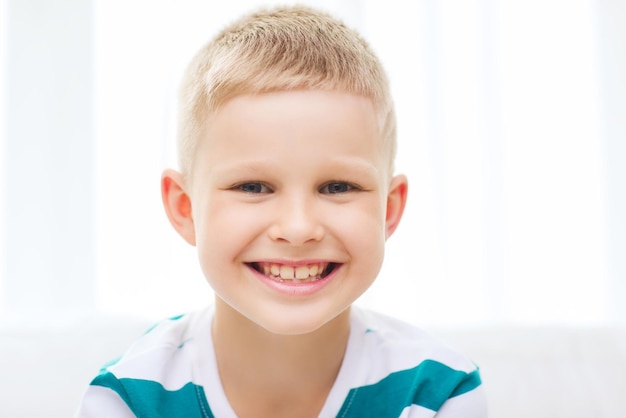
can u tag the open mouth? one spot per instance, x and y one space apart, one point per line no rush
296 274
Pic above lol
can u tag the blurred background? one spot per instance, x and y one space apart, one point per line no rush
512 131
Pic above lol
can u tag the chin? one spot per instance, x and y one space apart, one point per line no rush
292 326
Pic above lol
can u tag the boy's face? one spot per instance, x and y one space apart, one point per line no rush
291 202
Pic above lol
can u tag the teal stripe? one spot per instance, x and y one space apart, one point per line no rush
148 399
471 382
428 385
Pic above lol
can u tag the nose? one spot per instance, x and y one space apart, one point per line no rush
297 221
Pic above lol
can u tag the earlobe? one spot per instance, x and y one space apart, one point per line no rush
178 205
396 201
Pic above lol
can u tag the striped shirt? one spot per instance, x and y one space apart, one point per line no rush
390 369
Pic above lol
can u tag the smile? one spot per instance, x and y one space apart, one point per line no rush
296 274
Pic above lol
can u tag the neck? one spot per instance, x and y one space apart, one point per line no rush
279 369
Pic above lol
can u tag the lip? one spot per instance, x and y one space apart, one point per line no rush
296 289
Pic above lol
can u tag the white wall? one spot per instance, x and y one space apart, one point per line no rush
510 131
48 254
611 36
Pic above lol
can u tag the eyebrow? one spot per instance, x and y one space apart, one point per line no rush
358 165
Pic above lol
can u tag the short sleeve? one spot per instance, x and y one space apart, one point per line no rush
102 402
472 404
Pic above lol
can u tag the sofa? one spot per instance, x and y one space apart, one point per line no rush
550 371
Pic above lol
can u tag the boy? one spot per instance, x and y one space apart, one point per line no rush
286 188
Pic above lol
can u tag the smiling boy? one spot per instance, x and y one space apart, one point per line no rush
286 189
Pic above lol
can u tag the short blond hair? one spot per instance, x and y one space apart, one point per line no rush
280 49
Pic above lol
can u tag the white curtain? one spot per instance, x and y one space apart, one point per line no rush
502 132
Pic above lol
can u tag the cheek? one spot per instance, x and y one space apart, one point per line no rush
364 240
363 232
222 231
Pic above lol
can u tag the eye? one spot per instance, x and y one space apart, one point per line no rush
252 187
336 187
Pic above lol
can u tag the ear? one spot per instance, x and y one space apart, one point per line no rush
178 205
396 201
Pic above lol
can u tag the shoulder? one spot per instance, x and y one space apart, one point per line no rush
158 369
162 347
409 345
408 364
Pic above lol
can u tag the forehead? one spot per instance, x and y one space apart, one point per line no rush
303 121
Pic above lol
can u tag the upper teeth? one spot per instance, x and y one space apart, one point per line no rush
286 272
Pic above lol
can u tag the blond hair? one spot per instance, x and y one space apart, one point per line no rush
285 48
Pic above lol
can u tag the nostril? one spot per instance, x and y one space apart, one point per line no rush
296 233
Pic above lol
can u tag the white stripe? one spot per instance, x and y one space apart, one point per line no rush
401 346
162 355
415 411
